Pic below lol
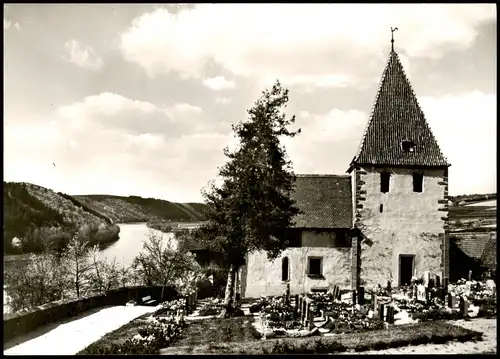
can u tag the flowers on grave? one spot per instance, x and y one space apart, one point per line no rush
353 320
276 305
158 333
212 306
170 308
320 297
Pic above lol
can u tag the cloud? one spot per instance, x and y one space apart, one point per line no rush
187 108
298 42
222 100
82 55
218 83
465 128
327 142
131 116
308 83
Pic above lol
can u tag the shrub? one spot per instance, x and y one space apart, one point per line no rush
128 347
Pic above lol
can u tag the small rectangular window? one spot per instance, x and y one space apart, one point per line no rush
285 270
381 208
418 179
385 178
408 146
315 266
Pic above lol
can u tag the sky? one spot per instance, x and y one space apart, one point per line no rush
139 99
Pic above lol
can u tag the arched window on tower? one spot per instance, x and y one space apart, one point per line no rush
285 270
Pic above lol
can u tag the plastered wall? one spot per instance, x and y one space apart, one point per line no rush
410 223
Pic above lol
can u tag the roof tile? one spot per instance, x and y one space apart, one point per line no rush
396 117
325 201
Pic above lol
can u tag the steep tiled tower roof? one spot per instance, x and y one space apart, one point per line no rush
397 117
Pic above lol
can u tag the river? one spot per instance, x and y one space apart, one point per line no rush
132 236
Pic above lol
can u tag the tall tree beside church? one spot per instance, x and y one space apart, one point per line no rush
252 208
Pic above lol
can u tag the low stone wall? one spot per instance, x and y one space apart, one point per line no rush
15 324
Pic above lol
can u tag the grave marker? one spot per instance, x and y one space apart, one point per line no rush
431 283
427 277
361 296
438 281
470 275
375 302
304 310
464 306
310 317
428 295
468 287
336 293
441 294
421 293
390 314
381 308
353 297
445 284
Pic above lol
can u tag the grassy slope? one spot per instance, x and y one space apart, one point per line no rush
238 336
396 336
470 217
137 209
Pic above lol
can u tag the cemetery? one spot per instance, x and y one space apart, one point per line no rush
391 317
336 311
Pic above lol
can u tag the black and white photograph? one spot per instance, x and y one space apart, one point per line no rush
249 178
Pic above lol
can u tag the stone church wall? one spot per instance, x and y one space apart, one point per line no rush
263 277
399 222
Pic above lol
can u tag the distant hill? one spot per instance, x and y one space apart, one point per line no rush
137 209
475 212
37 217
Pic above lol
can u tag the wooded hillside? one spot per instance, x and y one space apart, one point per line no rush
39 217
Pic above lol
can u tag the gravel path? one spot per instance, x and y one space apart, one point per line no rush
69 337
488 345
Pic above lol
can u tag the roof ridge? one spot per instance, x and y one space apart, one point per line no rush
302 175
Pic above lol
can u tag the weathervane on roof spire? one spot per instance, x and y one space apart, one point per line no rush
392 38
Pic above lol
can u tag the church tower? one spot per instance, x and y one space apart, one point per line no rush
400 189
